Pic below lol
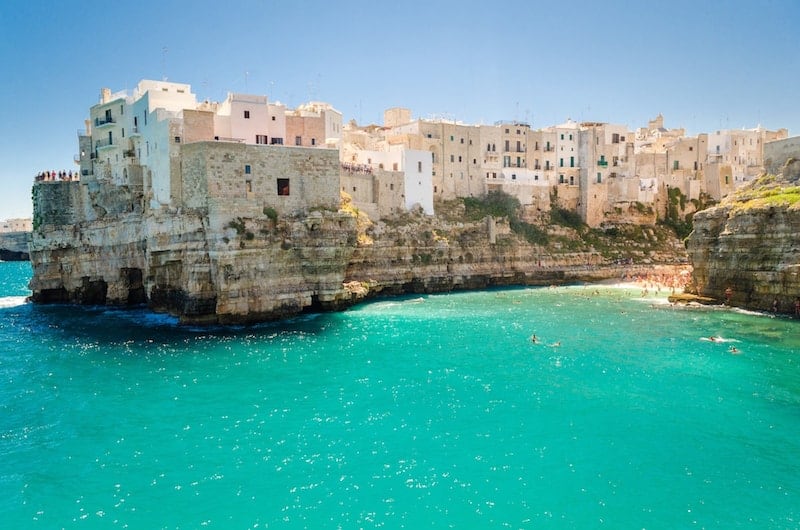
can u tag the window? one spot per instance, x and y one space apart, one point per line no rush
283 187
572 161
519 146
298 140
247 114
462 140
419 167
691 148
561 179
391 186
615 138
459 159
261 139
570 137
507 145
276 141
248 185
599 178
562 136
452 158
560 162
513 176
474 161
177 139
675 164
429 135
451 138
247 169
273 118
313 141
394 166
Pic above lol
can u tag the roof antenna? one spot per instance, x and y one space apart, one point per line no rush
164 63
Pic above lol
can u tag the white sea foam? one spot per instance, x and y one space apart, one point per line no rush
12 301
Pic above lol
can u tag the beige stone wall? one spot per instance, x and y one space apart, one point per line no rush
198 126
776 153
309 129
396 116
221 168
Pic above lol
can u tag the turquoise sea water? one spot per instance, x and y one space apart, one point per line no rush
431 412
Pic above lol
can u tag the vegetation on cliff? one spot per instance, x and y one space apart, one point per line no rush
766 192
677 203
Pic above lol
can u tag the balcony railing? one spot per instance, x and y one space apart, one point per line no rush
103 143
602 163
99 122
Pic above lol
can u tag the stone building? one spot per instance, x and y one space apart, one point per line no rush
16 225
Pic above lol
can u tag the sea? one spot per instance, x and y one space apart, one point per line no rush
434 411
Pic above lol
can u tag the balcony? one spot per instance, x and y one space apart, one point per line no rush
99 122
602 163
129 153
101 144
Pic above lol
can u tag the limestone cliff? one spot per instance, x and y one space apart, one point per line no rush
95 242
750 244
14 246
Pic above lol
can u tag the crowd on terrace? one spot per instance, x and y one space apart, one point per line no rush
50 176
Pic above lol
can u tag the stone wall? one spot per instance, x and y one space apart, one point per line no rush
778 152
288 179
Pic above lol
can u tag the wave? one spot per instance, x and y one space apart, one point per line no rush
12 301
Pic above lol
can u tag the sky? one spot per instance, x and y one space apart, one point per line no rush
704 65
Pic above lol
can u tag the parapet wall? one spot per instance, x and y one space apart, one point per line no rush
778 152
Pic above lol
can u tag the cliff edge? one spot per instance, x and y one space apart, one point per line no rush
746 250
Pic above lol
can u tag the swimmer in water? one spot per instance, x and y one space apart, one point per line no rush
734 350
534 339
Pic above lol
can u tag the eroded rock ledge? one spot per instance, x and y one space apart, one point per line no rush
262 268
749 245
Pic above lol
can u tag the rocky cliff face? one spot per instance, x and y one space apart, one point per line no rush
14 246
750 244
263 267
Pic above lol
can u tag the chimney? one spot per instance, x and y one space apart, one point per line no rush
105 95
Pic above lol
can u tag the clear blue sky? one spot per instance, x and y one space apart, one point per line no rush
705 65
